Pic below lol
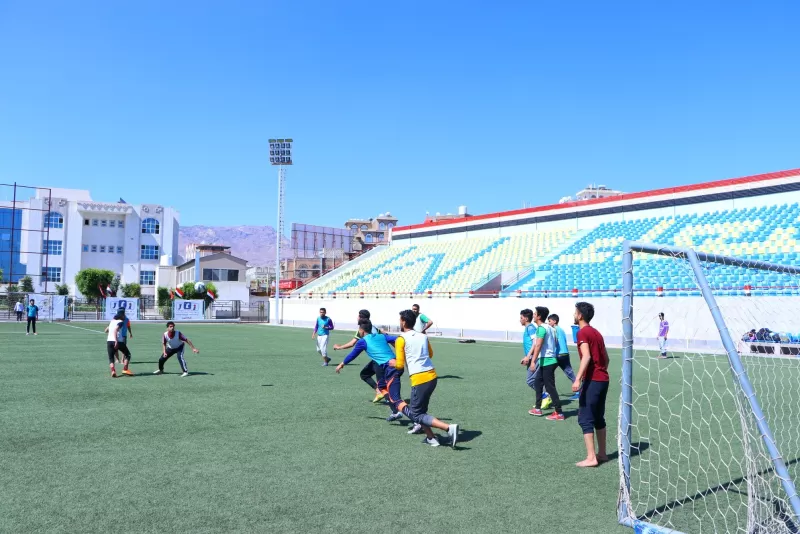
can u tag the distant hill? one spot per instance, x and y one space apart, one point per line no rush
255 244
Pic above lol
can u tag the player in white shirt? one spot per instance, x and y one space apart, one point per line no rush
173 344
117 341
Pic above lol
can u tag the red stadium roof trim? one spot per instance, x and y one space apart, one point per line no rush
629 196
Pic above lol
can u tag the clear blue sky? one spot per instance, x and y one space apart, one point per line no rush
401 106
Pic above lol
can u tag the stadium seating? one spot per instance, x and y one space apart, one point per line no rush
559 261
451 266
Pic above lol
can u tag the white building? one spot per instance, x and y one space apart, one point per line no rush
140 242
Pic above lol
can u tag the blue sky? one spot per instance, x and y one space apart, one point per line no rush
401 106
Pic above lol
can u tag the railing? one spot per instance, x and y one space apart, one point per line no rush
739 290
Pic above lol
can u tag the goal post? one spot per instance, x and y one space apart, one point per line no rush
697 452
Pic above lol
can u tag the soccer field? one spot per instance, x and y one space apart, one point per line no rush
261 437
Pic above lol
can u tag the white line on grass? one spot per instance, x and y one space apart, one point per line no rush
82 328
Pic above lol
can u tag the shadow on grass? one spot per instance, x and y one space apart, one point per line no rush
637 449
443 377
267 385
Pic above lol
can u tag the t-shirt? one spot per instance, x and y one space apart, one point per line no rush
561 338
528 336
175 341
377 348
33 311
322 323
547 354
598 364
18 307
358 335
422 320
112 336
663 328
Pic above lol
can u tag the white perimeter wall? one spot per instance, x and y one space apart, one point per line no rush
498 319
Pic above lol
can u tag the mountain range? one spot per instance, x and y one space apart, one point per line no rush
256 244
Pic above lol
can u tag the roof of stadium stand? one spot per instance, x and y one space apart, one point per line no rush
757 184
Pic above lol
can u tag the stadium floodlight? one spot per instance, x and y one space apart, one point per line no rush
280 154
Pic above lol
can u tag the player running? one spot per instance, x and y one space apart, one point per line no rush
322 327
173 343
544 349
377 347
33 314
370 369
117 342
592 381
125 329
415 352
528 342
563 351
423 321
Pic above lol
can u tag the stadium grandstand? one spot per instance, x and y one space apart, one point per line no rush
575 248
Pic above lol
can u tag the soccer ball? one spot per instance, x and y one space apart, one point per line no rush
200 287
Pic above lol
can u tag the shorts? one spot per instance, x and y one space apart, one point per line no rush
121 346
420 398
662 344
322 345
592 406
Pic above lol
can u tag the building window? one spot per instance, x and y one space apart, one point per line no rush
110 249
119 250
94 222
150 226
86 222
86 248
112 223
94 248
220 275
147 278
364 227
382 226
102 248
104 223
54 220
391 225
368 238
353 229
51 274
380 237
51 247
120 224
149 252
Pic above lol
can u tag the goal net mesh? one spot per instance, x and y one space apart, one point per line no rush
698 458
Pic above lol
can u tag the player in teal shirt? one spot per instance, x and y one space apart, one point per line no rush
323 325
33 314
562 357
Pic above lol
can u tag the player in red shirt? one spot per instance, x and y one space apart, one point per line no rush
592 381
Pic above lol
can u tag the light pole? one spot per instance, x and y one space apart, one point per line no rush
280 154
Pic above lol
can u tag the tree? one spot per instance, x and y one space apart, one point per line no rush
162 296
131 290
1 275
115 282
89 282
189 292
62 289
13 288
26 284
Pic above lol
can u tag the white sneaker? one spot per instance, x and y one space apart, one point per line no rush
416 429
433 442
27 333
185 374
453 433
157 372
395 416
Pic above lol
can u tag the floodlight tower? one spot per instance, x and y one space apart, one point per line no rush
280 154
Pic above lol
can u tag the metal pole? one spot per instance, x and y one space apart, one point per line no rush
47 250
744 382
278 246
11 252
626 404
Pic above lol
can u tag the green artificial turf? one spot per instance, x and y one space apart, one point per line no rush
261 437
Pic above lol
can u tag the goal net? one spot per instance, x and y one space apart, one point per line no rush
709 423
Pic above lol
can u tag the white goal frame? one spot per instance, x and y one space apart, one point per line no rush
739 376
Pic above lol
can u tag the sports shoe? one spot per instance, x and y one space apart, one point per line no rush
324 364
379 397
27 333
395 416
555 417
546 403
536 411
186 373
576 396
127 372
158 372
433 442
545 395
452 431
35 334
416 429
113 374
